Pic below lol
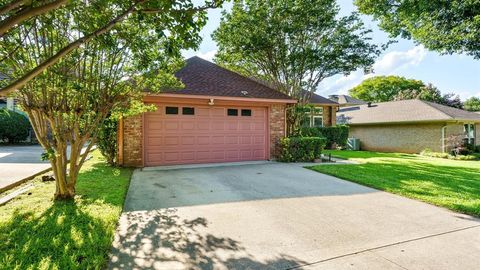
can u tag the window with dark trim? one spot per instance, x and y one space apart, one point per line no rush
232 112
188 111
171 110
246 112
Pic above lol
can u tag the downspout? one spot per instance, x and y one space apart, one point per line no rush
444 128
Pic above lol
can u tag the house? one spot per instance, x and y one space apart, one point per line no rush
219 116
323 112
409 126
346 101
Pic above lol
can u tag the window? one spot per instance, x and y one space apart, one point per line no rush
188 111
232 112
469 130
171 110
305 122
246 112
318 121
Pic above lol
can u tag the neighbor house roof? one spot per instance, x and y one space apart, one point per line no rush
317 99
345 100
205 78
404 111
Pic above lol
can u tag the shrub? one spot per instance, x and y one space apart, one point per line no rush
429 153
334 135
107 140
14 127
477 149
294 149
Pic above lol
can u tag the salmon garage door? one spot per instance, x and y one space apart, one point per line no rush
188 134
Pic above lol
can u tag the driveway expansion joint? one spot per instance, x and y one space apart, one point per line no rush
385 246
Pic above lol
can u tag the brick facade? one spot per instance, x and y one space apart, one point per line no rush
277 127
406 138
132 141
329 116
477 135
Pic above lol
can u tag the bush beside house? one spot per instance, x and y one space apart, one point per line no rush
298 149
14 127
336 135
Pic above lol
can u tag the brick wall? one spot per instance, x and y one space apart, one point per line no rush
132 141
399 138
477 135
329 116
277 127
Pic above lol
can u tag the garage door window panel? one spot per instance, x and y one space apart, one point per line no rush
171 110
232 112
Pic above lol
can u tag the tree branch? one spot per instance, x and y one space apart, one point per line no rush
28 13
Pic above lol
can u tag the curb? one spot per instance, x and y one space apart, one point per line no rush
21 181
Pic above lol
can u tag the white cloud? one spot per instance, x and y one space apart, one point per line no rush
396 60
388 64
207 55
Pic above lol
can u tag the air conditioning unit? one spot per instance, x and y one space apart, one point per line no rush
353 144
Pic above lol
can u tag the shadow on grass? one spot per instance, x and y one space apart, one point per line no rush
38 233
62 237
159 239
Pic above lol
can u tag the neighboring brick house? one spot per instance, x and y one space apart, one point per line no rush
220 116
409 126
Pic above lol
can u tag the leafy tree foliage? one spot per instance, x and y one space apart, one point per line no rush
293 45
14 127
432 94
472 104
384 88
445 26
68 103
97 17
389 88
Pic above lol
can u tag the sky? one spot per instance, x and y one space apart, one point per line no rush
456 73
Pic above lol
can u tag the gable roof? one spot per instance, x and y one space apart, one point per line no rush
346 100
202 77
413 110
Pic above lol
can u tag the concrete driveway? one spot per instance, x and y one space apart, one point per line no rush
19 162
282 216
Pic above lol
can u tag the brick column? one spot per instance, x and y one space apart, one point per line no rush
132 141
277 127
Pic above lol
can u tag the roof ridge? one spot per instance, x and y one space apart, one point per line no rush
429 103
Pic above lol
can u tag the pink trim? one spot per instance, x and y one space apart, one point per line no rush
266 100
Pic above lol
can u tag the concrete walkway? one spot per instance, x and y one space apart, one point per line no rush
282 216
19 162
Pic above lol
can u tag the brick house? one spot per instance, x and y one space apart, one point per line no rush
409 126
219 116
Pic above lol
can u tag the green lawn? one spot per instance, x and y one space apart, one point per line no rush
452 184
38 233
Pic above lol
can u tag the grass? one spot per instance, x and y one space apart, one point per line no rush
39 233
453 184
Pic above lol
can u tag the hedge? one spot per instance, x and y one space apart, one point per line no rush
307 149
107 140
334 135
14 127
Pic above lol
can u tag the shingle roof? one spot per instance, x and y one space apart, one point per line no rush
413 110
317 99
346 100
202 77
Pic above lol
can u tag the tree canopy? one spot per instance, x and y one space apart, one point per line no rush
91 19
293 45
390 88
444 26
68 102
384 88
472 104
